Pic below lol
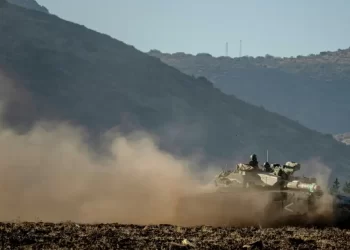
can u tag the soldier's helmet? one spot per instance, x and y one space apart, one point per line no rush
253 157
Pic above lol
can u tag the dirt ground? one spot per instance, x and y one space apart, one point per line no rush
116 236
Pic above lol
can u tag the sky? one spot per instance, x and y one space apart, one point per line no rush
276 27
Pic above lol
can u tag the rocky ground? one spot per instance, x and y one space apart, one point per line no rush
116 236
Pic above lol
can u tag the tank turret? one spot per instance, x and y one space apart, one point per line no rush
287 170
279 177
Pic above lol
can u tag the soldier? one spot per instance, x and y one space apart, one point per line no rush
254 161
267 167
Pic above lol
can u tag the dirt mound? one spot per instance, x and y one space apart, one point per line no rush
116 236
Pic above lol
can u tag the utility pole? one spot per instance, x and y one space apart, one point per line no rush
240 48
267 155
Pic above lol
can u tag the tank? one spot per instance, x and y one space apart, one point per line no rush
285 194
259 195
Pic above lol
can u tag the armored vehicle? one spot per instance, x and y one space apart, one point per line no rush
253 194
285 194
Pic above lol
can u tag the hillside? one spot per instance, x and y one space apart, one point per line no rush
29 4
310 89
68 72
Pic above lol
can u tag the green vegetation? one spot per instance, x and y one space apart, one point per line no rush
310 89
335 187
338 188
323 66
346 187
69 72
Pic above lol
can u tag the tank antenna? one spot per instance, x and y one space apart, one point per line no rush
267 155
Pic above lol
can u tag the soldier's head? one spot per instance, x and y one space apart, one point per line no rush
253 157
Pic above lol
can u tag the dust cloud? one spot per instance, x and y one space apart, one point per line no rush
51 174
314 167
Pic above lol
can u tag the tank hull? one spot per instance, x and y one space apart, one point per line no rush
248 208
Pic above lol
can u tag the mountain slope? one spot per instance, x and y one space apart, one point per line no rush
312 90
29 4
66 71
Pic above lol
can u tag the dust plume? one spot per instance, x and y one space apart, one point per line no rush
17 103
314 167
7 88
51 174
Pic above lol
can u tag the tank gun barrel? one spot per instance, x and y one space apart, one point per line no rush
298 185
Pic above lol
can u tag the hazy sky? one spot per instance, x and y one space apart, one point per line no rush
276 27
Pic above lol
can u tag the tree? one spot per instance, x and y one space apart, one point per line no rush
346 187
335 187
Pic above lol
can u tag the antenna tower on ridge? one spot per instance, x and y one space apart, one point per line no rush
226 48
240 48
